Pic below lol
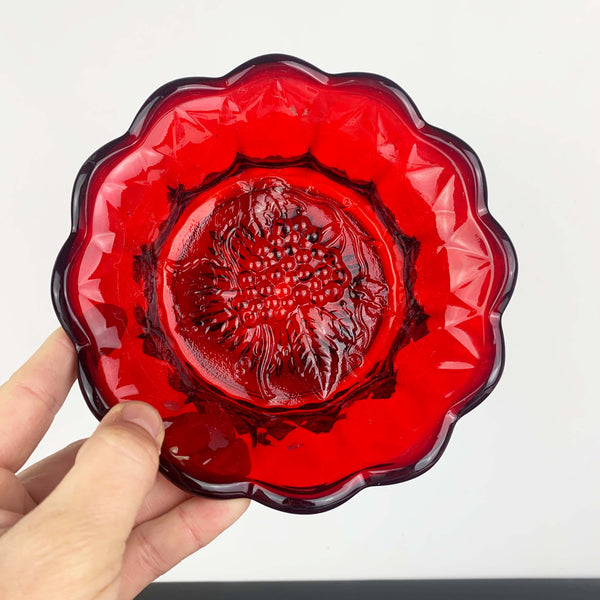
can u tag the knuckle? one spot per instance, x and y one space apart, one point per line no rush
150 556
61 338
6 478
49 401
192 528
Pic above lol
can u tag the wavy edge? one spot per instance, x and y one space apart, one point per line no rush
349 486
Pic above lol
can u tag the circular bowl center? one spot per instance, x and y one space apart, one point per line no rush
274 288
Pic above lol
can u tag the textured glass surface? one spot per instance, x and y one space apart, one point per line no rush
297 271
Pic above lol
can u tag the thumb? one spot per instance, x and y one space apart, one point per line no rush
114 470
76 537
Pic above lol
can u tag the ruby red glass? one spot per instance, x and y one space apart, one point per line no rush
297 272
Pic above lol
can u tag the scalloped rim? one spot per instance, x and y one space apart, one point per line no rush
344 489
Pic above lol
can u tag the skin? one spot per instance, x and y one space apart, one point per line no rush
95 520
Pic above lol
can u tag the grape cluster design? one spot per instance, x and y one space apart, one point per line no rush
287 268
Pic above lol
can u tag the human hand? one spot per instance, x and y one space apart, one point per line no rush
95 520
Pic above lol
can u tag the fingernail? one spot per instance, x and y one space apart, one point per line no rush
144 416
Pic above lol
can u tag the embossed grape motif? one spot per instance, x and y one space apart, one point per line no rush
289 288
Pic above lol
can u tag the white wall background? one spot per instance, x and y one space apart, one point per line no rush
517 493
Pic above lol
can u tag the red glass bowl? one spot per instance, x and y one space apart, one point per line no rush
298 272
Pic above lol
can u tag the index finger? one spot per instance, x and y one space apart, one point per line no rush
30 399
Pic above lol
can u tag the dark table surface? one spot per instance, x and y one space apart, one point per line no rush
459 589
